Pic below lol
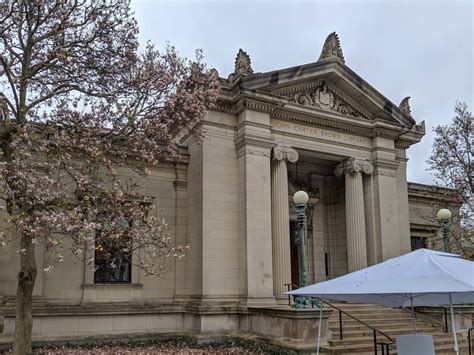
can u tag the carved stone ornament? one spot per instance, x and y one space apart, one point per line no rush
281 152
242 66
324 99
332 48
405 106
352 166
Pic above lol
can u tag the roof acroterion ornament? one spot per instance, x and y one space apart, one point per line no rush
332 48
242 66
405 106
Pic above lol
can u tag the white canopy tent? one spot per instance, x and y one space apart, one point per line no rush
420 278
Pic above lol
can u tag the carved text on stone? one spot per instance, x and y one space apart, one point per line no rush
320 133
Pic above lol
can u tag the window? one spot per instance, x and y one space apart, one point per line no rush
113 255
418 243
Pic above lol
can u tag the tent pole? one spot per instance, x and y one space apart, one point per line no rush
319 326
453 326
413 312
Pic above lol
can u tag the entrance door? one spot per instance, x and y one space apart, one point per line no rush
295 253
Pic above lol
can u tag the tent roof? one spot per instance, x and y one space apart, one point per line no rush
427 275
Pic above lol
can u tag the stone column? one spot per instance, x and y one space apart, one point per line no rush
281 218
353 168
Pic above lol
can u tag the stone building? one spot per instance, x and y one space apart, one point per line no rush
318 127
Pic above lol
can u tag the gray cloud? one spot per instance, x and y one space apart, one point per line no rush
422 49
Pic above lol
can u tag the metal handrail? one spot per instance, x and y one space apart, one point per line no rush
384 345
469 339
459 313
431 319
289 287
445 309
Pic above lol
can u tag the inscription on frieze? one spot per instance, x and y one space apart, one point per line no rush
321 133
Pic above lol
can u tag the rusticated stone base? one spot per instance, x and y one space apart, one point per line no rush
281 326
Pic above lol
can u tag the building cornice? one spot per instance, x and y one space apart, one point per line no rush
280 108
430 192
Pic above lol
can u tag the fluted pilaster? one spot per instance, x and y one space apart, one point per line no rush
281 218
355 213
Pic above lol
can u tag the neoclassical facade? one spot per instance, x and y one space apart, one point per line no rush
317 127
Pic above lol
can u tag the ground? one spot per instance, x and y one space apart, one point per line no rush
173 346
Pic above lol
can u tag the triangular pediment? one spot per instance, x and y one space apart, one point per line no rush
320 95
328 86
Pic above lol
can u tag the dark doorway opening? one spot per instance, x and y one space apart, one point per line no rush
295 253
418 243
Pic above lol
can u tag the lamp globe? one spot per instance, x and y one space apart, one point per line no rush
300 198
443 214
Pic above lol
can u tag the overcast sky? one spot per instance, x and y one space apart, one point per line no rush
422 49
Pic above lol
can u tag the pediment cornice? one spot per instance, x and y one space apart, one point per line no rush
344 82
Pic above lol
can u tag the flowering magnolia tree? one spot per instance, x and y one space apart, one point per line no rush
452 163
79 102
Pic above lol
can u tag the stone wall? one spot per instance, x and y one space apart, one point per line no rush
71 282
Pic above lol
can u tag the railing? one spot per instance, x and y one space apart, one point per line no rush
290 287
445 317
384 345
468 332
431 319
469 340
446 327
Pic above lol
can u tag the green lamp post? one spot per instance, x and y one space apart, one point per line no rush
444 219
300 198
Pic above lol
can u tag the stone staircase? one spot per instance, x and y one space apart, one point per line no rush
359 339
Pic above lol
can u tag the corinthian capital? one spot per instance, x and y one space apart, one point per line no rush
281 152
352 166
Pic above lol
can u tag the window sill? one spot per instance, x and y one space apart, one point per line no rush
112 285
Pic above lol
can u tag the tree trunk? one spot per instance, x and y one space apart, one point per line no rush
24 297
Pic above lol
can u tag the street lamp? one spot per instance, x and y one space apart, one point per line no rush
444 219
300 198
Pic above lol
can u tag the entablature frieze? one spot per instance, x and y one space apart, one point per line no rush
253 144
402 144
383 149
320 122
285 110
325 135
386 167
252 124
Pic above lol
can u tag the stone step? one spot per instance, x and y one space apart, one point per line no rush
377 321
439 339
408 329
374 312
442 349
361 315
358 339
